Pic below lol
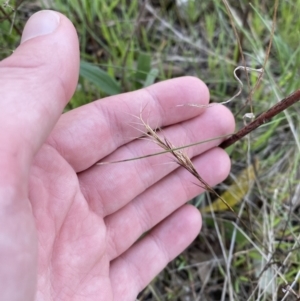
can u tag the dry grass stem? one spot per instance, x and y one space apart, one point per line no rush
240 89
181 158
165 151
263 118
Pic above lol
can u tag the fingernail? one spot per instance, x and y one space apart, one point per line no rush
41 23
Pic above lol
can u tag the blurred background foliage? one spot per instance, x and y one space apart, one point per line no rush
130 44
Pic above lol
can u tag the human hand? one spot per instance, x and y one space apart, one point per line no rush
70 229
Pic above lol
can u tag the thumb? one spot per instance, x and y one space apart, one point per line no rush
36 82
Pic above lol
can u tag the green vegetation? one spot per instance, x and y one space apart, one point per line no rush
136 44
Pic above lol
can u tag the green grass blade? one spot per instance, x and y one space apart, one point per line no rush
99 78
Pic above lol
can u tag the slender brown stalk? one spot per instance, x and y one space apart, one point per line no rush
263 118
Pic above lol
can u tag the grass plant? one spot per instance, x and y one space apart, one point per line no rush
136 43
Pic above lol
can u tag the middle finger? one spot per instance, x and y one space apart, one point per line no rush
110 187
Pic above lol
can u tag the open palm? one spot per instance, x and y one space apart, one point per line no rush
72 229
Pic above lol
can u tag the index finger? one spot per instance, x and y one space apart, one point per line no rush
88 134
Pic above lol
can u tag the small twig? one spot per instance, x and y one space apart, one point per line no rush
263 118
